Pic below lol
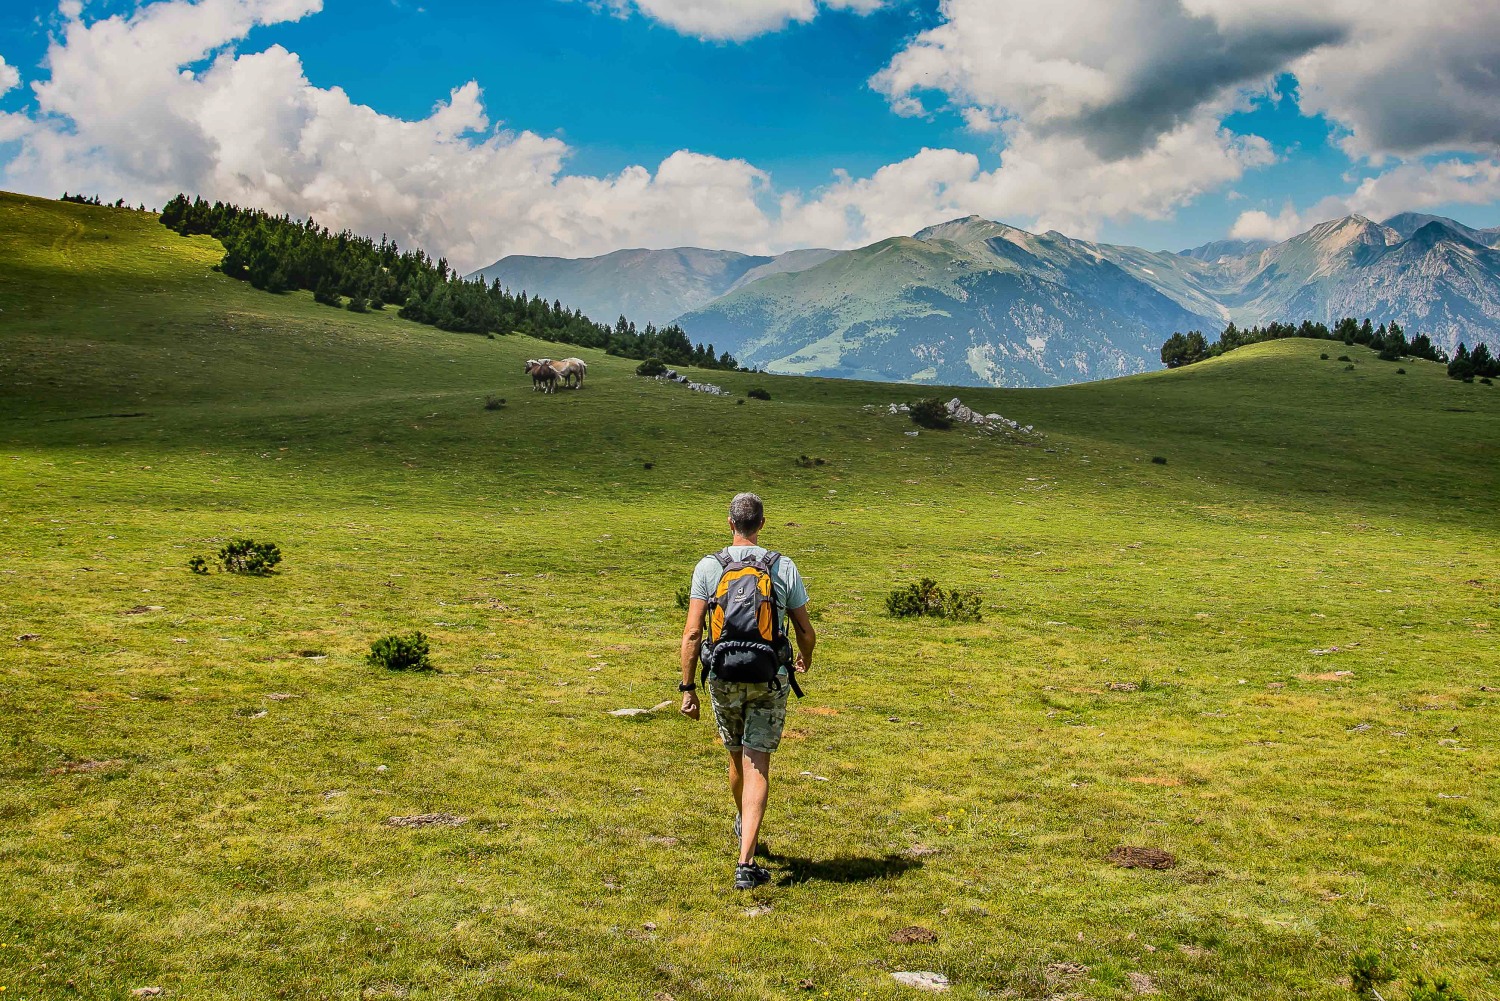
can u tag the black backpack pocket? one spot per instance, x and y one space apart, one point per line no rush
744 662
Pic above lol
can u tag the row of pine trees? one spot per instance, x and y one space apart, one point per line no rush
279 254
1186 349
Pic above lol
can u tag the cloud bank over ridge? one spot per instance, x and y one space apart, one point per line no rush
1101 110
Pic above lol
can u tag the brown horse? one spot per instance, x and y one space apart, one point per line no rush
543 375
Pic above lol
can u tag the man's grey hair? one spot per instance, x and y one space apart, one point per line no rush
748 513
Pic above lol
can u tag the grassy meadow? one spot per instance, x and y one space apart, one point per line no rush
1272 655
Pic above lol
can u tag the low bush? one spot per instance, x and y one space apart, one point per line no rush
650 368
1367 972
249 558
1437 989
683 597
927 598
1486 382
1159 460
1348 368
1324 356
400 653
931 413
377 304
1400 371
198 565
494 403
758 394
328 296
358 304
808 462
1345 358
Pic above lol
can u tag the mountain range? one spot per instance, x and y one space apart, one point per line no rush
977 302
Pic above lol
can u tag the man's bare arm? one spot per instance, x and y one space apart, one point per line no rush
692 636
807 637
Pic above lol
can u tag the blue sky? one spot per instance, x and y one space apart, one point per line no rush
614 86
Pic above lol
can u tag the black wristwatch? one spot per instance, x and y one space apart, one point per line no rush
687 688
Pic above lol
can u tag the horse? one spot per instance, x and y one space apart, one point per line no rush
543 374
571 371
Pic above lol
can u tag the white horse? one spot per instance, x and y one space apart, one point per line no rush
571 371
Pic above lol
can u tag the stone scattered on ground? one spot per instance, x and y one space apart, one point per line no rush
913 935
965 415
921 851
143 609
147 992
28 637
1142 984
1123 686
641 712
1136 857
922 980
758 911
698 387
1058 973
427 820
807 984
280 696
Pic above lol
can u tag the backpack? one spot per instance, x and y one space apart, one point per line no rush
744 640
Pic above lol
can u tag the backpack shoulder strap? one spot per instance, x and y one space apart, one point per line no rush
724 558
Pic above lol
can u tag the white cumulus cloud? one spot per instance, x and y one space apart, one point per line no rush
10 77
736 20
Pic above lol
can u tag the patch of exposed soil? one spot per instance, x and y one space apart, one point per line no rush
427 820
1153 780
143 609
82 767
1136 857
914 935
821 711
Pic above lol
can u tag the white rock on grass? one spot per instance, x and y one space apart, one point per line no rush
923 980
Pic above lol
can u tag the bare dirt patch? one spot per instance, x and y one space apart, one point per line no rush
84 767
427 820
1327 676
1154 780
914 935
1142 984
1136 857
143 609
821 711
1123 686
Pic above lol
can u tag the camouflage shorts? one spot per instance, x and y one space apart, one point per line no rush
749 715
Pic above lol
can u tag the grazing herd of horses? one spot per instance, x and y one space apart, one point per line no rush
546 373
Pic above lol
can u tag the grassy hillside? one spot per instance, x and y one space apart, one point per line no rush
196 772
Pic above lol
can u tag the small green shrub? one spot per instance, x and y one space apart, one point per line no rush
377 304
1486 382
1324 356
651 368
494 403
198 565
758 394
740 402
328 296
683 597
1437 989
1158 460
1367 971
250 558
931 413
927 598
808 462
358 304
400 653
1400 371
1345 358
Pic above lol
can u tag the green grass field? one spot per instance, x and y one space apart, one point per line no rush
196 772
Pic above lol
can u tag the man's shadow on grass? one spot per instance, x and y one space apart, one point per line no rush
844 869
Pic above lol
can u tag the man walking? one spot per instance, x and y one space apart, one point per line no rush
743 596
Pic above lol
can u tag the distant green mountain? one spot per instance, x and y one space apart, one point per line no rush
978 302
648 286
971 302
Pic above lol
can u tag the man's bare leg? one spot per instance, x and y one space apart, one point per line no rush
736 778
752 792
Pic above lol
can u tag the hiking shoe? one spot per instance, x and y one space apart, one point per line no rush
739 831
750 875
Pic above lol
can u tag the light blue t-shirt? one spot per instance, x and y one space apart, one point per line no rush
785 580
